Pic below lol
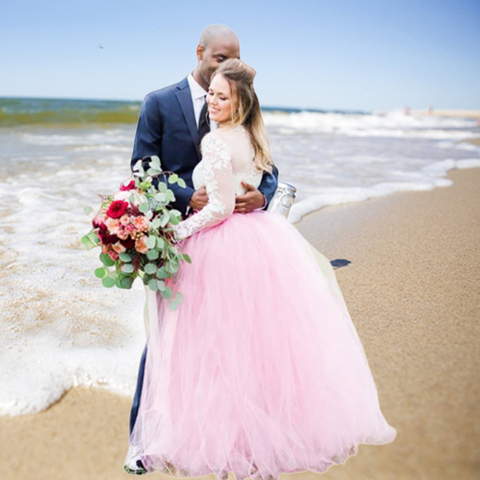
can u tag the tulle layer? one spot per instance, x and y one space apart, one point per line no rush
260 371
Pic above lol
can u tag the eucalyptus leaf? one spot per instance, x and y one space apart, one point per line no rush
155 161
165 219
106 260
167 293
161 197
108 282
150 268
162 273
90 240
151 241
152 254
126 282
143 207
128 268
125 257
155 223
173 178
152 284
170 195
101 272
160 243
187 258
87 210
181 183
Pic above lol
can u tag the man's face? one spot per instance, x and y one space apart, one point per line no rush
214 54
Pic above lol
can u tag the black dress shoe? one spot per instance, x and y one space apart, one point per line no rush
141 470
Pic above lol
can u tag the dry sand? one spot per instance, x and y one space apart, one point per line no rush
412 287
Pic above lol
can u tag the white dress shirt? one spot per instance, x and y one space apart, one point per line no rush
198 100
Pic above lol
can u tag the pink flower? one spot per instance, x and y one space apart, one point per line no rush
118 247
140 244
141 223
125 219
113 226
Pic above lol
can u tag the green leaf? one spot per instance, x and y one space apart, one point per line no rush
87 210
152 254
153 171
152 284
160 243
172 267
175 302
155 223
155 161
167 293
150 268
165 219
173 178
162 187
161 285
128 268
126 282
90 240
162 273
101 272
160 197
170 196
125 257
187 258
181 183
143 207
106 260
174 218
151 240
108 282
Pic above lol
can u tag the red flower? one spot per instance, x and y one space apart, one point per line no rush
117 209
130 186
129 243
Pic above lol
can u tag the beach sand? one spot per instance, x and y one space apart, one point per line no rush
412 288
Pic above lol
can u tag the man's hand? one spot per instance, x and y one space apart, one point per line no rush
250 200
199 199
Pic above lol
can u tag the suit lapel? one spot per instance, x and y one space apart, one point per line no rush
184 97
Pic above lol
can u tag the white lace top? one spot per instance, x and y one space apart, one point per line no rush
227 159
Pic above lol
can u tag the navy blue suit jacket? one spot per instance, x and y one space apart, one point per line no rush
167 128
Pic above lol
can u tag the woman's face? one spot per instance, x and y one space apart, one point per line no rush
220 101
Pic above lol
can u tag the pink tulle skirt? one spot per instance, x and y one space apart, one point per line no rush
260 371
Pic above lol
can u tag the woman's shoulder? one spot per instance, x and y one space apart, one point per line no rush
213 143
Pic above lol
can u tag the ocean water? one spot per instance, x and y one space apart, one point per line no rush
60 327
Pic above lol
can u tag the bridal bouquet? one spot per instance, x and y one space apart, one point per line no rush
133 230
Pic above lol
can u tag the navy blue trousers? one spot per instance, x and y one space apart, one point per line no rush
138 391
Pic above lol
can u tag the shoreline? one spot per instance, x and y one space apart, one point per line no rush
447 113
412 290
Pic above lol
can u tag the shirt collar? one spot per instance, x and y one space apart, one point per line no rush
195 88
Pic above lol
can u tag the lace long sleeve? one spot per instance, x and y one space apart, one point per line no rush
220 185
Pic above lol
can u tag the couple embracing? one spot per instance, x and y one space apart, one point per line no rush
260 371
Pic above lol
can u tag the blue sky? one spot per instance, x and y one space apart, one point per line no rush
363 55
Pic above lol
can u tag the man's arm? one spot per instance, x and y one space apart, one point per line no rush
148 140
269 184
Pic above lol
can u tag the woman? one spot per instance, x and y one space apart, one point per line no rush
260 371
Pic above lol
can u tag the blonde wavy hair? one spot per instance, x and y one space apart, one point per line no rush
240 76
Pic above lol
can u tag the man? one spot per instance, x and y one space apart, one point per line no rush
171 124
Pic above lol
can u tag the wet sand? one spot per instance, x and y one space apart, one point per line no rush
411 280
